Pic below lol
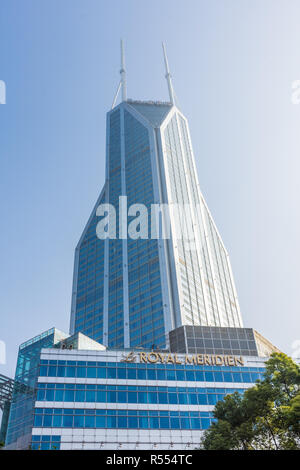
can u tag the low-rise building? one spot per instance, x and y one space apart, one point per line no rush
73 393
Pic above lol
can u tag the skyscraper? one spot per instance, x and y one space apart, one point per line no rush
150 269
129 291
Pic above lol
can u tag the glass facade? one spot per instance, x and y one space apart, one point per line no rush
72 393
136 394
24 394
89 283
121 419
131 298
146 318
214 340
87 395
130 291
45 442
206 286
111 394
120 370
115 288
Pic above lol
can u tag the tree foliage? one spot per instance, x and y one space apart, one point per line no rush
265 417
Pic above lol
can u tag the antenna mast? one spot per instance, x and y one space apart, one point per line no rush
123 73
122 83
168 76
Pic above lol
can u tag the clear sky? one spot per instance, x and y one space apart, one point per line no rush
233 64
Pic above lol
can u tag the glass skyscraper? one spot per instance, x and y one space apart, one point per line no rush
130 292
156 333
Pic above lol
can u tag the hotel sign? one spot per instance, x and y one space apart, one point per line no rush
197 359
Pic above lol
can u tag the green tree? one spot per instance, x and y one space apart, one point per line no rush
265 417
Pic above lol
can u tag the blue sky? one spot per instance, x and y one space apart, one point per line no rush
233 64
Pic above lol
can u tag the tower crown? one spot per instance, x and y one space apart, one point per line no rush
123 84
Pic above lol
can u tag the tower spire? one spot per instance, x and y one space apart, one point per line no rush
168 76
123 73
122 84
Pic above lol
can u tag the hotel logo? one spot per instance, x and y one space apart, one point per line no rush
131 357
197 359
